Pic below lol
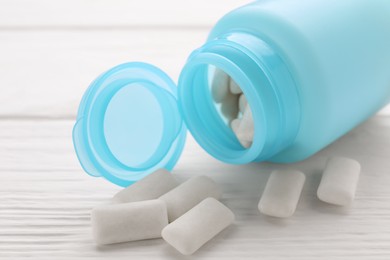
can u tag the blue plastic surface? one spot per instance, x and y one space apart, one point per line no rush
311 71
259 71
128 124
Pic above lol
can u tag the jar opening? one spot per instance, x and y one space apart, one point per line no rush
264 78
210 115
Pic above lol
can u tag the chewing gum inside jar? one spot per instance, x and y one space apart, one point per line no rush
231 105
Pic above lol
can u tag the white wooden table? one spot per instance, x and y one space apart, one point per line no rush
51 50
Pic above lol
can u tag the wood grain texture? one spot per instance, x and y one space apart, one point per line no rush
45 201
16 14
45 73
52 50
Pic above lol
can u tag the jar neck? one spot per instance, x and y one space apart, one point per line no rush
265 81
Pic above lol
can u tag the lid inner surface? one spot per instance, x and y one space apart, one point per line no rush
133 113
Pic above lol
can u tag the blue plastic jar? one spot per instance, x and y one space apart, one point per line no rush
311 71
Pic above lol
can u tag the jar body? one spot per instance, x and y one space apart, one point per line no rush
338 53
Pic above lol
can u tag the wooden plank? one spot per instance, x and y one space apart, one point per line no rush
45 201
45 73
104 13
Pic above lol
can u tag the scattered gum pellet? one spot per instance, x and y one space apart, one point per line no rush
339 181
188 194
116 223
196 227
150 187
281 194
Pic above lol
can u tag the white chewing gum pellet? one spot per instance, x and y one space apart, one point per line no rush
242 102
281 194
235 124
188 194
219 85
229 107
234 88
150 187
246 129
203 222
339 181
116 223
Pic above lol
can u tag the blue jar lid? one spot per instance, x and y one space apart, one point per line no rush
129 124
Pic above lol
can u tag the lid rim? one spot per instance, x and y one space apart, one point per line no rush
92 158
